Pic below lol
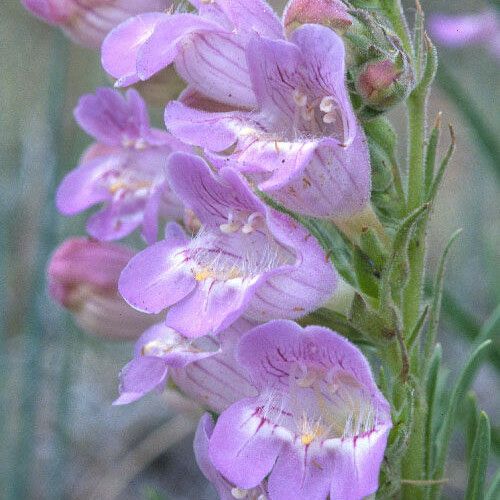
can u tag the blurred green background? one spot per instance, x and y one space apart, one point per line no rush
60 436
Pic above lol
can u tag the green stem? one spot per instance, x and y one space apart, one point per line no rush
413 462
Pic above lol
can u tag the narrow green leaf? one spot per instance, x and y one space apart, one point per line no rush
430 68
430 155
443 438
471 413
415 334
334 320
431 386
397 264
442 168
490 327
493 492
479 459
436 301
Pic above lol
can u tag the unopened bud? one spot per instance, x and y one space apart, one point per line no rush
382 84
332 13
83 277
87 22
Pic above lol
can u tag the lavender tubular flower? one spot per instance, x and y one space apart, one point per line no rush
319 425
124 169
204 369
302 145
333 13
208 48
247 260
225 489
471 29
83 277
87 22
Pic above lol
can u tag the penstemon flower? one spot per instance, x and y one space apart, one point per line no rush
87 22
208 48
470 29
302 144
124 169
204 369
246 260
319 425
225 489
333 13
83 277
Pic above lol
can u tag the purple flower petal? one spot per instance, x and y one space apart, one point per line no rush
302 474
201 191
244 446
140 376
79 189
119 49
153 279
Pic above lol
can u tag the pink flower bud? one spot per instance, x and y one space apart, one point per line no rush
383 83
87 22
332 13
83 277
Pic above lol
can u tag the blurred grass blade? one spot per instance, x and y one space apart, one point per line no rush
484 134
444 435
435 310
479 459
21 482
471 413
493 492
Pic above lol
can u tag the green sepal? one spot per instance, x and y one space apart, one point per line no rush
444 435
367 274
479 459
373 326
371 245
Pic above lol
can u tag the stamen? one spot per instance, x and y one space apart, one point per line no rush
231 226
327 104
249 227
239 493
329 118
299 98
307 113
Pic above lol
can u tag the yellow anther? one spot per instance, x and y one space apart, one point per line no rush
203 274
116 186
308 438
155 346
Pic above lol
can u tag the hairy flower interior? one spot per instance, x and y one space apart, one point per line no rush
318 405
242 248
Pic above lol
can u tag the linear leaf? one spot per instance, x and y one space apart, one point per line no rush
479 459
437 299
443 438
